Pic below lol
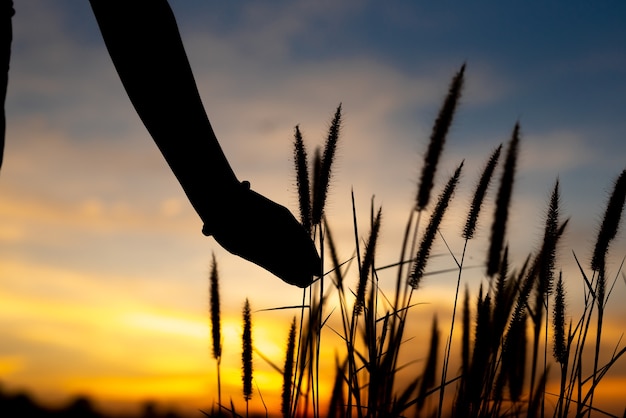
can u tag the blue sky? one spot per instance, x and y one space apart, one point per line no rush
93 225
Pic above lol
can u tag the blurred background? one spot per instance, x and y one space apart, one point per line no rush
103 267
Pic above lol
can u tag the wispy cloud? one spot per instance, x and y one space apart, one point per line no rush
558 152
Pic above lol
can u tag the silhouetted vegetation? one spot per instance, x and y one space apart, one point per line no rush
23 405
520 313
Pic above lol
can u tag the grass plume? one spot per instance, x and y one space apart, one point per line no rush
499 370
558 321
214 303
610 223
545 262
550 238
322 178
302 179
246 352
216 326
468 233
560 345
503 200
438 139
479 194
423 253
288 370
367 265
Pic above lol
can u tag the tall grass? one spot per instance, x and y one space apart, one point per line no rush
506 328
216 325
246 354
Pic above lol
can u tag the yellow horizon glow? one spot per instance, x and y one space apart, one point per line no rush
131 352
138 337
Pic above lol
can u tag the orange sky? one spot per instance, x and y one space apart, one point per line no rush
103 269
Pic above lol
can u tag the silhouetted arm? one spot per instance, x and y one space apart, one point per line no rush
6 34
144 43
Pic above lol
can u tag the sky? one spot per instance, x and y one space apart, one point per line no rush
103 267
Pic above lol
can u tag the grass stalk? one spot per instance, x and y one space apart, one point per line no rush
468 233
608 231
428 375
545 278
492 380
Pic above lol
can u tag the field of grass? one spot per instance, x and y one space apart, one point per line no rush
513 330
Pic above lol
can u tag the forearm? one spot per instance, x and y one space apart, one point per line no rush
6 35
145 45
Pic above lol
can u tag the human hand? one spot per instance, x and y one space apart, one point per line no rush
261 231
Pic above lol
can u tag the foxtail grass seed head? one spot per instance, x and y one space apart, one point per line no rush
610 223
502 304
315 179
246 353
558 322
288 370
503 200
423 253
322 179
214 303
479 194
548 251
367 264
328 239
438 139
302 180
527 284
502 272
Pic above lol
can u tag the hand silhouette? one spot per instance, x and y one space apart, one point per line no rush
267 234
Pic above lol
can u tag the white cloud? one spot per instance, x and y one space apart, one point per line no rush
557 151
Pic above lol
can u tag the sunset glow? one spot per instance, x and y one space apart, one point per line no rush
103 266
